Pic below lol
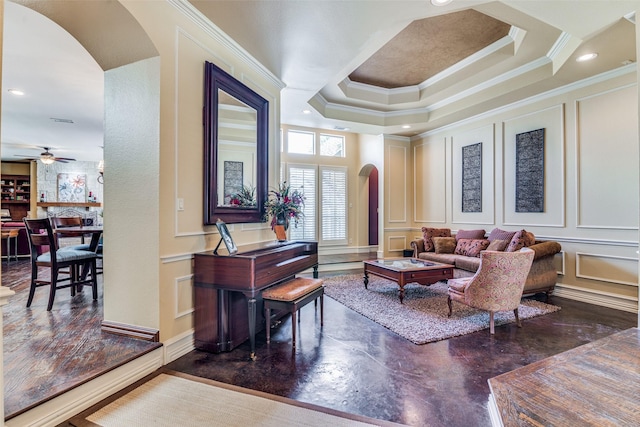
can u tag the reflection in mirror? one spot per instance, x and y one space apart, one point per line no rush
236 125
237 151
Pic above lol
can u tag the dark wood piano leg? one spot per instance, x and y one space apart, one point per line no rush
252 326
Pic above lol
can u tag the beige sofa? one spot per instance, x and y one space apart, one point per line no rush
542 276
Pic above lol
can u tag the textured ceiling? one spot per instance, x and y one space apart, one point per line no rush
428 46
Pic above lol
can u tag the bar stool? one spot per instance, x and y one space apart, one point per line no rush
10 236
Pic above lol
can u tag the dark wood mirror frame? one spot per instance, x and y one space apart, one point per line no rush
215 79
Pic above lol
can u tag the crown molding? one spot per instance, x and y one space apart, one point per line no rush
621 71
193 14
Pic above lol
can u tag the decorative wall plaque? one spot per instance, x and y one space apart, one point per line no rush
472 178
233 172
530 171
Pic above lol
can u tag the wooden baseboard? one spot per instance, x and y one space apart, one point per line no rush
132 331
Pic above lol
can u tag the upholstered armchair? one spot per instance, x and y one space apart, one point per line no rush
496 286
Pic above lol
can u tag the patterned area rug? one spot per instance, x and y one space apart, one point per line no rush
423 316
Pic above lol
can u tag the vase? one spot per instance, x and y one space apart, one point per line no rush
283 220
282 224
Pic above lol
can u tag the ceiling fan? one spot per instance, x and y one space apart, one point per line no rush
48 158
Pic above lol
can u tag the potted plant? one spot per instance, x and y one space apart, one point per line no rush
284 205
244 198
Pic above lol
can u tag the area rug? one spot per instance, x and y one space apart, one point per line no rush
423 316
181 400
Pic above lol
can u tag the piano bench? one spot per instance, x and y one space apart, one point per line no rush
292 295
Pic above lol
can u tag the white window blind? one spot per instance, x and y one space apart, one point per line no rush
304 177
334 204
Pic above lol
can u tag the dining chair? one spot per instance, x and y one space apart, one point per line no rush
45 253
496 286
68 221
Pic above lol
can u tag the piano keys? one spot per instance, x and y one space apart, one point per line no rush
228 301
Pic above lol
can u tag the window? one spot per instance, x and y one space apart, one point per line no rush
301 142
325 206
334 204
332 145
304 177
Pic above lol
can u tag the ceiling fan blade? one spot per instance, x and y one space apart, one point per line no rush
64 159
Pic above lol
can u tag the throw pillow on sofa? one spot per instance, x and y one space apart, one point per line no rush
428 233
497 245
444 245
470 234
471 247
522 239
497 233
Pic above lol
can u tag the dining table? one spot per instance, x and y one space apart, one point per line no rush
79 231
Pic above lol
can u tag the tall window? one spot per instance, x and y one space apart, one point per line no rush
325 207
301 142
334 204
332 145
305 177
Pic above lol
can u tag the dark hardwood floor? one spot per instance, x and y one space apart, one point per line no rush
49 352
351 364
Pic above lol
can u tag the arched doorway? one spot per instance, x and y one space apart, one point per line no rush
371 173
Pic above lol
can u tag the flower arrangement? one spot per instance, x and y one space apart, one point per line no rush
244 198
284 204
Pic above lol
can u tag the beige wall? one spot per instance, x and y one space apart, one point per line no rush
591 182
150 283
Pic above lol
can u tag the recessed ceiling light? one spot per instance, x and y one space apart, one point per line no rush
586 57
340 128
16 92
306 111
440 2
58 120
406 126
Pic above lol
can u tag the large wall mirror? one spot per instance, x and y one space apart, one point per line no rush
236 125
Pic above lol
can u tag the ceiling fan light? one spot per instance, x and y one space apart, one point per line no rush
47 158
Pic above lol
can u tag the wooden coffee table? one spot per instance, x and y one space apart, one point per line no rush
407 270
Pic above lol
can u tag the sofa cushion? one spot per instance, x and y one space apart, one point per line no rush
444 245
521 239
428 233
470 234
443 258
543 249
468 263
498 233
497 245
471 247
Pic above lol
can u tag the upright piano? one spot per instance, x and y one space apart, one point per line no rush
228 300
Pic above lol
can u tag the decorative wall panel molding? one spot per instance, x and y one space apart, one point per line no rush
397 158
607 152
430 181
397 243
607 268
183 293
552 119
